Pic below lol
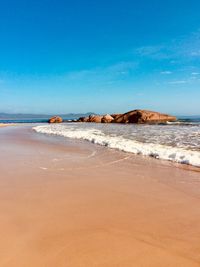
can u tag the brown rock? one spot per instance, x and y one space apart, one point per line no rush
116 115
55 119
107 118
83 119
143 116
95 118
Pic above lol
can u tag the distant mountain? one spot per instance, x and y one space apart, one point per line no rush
189 117
19 116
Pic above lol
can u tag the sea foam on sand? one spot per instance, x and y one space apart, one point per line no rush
96 136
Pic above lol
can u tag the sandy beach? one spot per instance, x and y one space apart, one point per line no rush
6 124
71 203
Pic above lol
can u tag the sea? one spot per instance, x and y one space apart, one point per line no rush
173 141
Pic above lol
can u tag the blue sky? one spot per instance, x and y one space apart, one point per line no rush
101 56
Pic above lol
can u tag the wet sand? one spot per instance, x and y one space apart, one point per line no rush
66 203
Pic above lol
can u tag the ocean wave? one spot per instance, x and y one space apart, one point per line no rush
96 136
182 123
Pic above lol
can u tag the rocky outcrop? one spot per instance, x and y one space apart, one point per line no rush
83 119
107 118
135 116
116 115
95 118
143 116
55 119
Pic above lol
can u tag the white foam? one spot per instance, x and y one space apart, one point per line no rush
165 152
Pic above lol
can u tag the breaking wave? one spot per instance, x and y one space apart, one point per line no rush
123 142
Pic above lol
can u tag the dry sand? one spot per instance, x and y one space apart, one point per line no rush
74 204
3 124
6 124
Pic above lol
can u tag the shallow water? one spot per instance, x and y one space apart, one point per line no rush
178 142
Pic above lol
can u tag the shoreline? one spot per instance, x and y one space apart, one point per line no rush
69 202
159 151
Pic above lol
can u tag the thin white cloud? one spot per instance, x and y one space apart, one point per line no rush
158 52
177 82
195 53
149 50
166 72
120 67
77 75
140 94
115 70
195 73
184 48
123 72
